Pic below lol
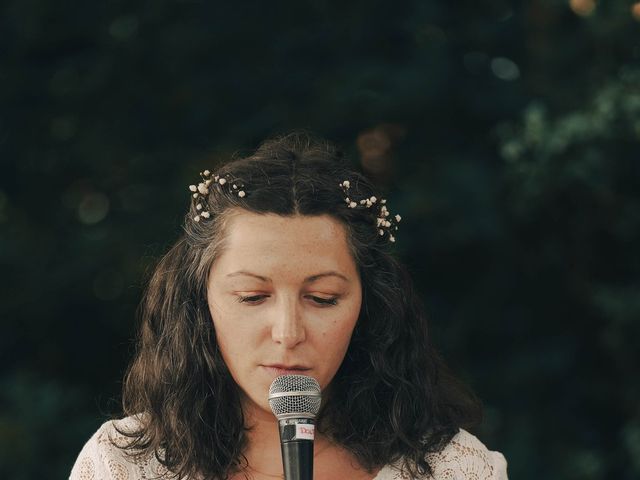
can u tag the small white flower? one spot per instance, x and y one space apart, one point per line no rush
197 218
346 183
386 213
206 173
206 214
235 186
398 218
347 200
379 221
222 181
195 195
353 205
373 199
193 188
199 206
241 193
216 178
392 238
368 202
381 232
207 182
383 201
202 188
387 224
362 202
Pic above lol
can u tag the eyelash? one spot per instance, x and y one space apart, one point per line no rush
328 302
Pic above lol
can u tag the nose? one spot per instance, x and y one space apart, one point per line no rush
288 326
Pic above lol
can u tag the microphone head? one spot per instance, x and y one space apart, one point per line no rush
294 396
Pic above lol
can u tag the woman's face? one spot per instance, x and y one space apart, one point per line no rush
285 291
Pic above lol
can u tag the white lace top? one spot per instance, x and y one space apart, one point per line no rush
464 458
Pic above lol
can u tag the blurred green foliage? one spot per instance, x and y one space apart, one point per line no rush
506 134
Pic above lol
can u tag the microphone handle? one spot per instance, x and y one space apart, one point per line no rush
296 444
297 459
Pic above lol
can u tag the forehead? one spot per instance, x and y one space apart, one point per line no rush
296 242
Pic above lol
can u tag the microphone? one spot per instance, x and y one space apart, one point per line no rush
295 401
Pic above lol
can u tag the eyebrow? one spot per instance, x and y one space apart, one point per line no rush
310 279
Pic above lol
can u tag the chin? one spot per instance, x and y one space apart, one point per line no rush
255 403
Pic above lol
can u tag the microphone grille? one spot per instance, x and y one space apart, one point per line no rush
294 396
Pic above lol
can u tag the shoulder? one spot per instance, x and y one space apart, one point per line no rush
102 458
464 457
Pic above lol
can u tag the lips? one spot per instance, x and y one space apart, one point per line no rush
280 369
287 367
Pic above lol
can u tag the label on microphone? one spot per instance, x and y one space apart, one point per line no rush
294 429
305 431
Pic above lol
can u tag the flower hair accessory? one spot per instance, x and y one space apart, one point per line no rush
383 222
201 190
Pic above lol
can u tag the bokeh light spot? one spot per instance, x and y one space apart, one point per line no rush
582 7
505 69
93 208
375 147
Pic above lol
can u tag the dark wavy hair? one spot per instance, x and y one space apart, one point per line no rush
392 397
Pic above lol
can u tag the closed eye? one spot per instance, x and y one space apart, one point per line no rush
325 301
251 299
256 300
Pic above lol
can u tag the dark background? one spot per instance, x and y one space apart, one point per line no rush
505 133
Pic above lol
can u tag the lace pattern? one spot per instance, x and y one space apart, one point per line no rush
464 458
101 460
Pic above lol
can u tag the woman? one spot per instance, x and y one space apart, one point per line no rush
284 268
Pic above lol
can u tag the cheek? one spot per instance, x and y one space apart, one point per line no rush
229 334
233 349
336 339
338 330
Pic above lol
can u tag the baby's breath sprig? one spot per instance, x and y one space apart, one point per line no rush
200 191
383 222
